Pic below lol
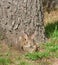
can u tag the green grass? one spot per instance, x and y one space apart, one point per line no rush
24 63
37 55
4 61
51 29
50 48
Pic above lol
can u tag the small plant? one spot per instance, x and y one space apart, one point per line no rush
4 61
51 29
55 34
49 48
37 55
24 63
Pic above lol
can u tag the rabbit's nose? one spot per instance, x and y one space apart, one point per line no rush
27 45
31 46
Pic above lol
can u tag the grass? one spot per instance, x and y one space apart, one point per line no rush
4 61
37 55
47 50
24 63
50 48
51 29
12 57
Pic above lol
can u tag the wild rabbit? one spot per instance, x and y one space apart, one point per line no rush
27 43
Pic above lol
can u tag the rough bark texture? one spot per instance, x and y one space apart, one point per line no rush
22 15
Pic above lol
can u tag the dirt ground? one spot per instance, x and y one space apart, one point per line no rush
4 49
16 57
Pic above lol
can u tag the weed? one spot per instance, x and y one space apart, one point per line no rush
4 61
24 63
37 55
48 52
51 29
52 47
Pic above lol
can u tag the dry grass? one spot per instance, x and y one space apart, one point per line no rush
51 17
14 56
17 58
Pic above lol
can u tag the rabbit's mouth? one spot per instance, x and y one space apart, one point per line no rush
27 45
31 46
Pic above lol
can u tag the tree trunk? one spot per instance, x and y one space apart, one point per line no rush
17 16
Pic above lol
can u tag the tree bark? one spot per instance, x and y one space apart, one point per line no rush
22 15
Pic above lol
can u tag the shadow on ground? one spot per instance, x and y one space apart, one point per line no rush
50 28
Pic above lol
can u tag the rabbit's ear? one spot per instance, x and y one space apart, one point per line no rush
33 35
24 35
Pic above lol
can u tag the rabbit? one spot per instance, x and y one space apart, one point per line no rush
27 43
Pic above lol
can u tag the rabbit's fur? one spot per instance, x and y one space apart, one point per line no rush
27 43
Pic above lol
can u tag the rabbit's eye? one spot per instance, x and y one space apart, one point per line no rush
31 46
22 48
25 39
